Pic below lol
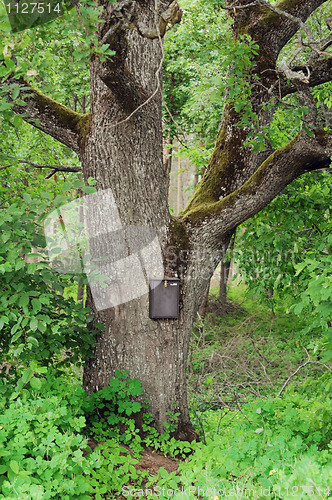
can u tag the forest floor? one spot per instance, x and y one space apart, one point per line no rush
244 353
150 460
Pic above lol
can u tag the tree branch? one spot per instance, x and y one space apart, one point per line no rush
57 168
171 16
50 116
273 26
114 72
320 72
302 154
326 43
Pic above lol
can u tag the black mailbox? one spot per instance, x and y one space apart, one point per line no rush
164 298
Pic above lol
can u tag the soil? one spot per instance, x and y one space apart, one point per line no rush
150 460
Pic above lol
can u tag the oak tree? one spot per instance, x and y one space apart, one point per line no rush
120 144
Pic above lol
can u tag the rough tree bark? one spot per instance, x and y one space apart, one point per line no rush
120 144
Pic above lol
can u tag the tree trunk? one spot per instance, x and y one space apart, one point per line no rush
205 302
224 275
124 154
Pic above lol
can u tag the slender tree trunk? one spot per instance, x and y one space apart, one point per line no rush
179 188
80 293
205 302
224 275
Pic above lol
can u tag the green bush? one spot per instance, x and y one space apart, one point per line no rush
41 440
107 410
36 321
112 413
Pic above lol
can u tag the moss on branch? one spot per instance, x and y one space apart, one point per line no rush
226 161
178 234
63 116
208 208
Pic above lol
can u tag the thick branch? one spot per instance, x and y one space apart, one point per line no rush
114 71
292 16
320 72
51 117
273 26
169 17
127 16
301 155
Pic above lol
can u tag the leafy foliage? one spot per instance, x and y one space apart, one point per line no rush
285 249
41 444
266 437
36 321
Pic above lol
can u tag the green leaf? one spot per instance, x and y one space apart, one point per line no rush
16 336
27 374
3 469
36 383
4 105
36 305
33 341
3 320
17 121
327 356
78 184
298 308
14 466
26 198
309 132
89 189
92 181
15 92
23 300
33 324
66 187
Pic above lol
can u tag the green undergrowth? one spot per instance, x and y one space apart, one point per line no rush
46 419
249 352
268 445
263 420
278 445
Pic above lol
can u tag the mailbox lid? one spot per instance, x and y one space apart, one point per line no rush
164 296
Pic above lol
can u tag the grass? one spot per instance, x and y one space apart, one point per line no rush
247 353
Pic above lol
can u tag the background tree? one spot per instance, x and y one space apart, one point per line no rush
119 143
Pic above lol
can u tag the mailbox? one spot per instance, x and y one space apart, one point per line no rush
164 298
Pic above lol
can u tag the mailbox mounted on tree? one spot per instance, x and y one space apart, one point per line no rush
164 298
